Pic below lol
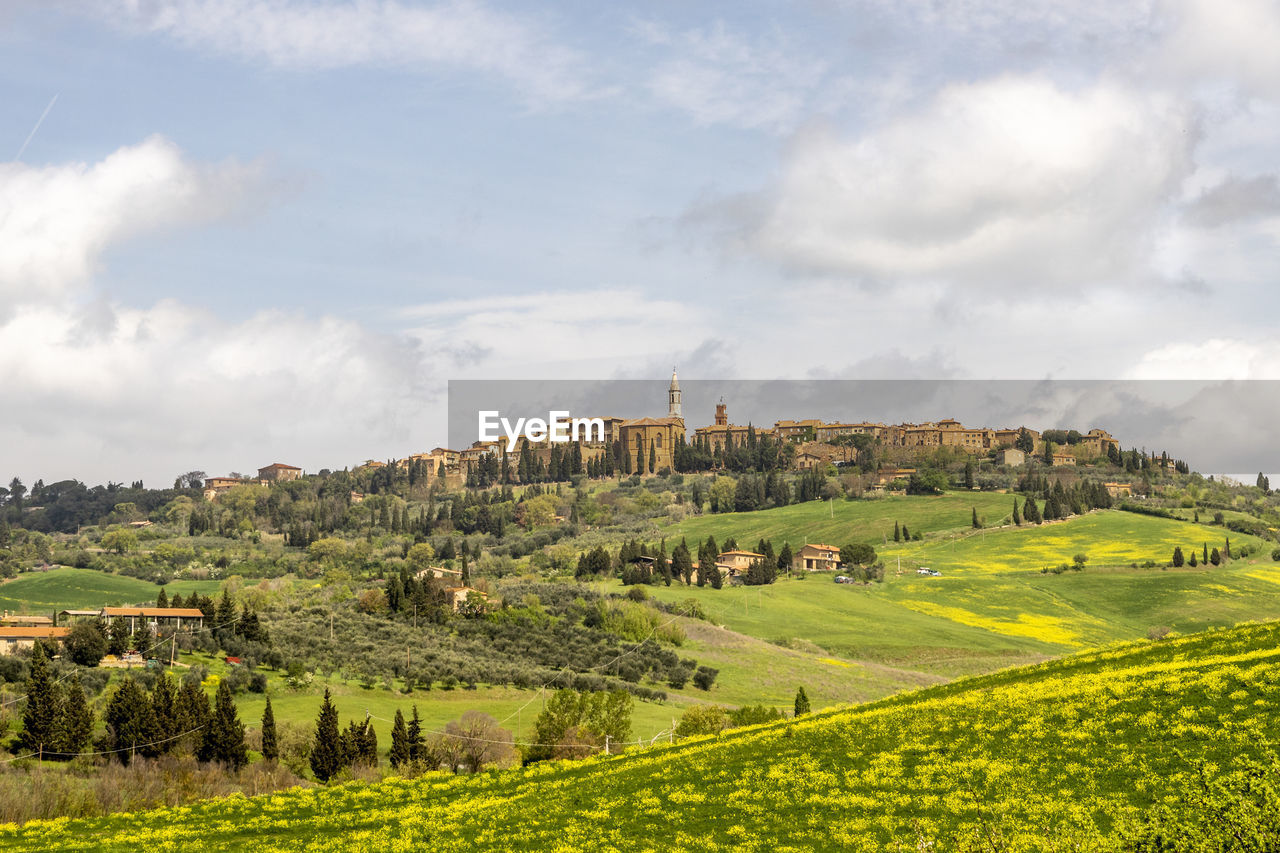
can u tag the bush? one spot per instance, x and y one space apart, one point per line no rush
1275 555
704 677
702 720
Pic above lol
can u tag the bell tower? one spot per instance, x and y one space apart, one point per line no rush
673 397
722 415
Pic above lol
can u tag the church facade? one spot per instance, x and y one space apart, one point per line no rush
650 443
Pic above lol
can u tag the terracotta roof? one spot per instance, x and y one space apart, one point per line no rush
651 422
32 633
281 465
19 619
741 553
825 547
185 612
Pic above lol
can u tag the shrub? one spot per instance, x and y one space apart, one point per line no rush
704 677
702 720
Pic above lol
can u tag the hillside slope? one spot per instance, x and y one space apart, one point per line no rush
1053 756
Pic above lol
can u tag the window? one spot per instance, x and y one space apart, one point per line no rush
659 439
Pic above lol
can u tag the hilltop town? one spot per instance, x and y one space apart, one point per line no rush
650 445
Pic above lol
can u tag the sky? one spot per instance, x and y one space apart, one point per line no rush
236 232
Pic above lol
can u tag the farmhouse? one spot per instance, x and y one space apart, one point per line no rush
278 472
180 618
817 558
11 620
14 638
1012 457
458 596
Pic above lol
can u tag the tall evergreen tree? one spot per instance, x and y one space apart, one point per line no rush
76 726
802 703
326 751
1178 558
40 718
653 458
414 736
897 532
130 725
399 754
976 522
1017 519
224 737
118 637
785 558
162 600
270 746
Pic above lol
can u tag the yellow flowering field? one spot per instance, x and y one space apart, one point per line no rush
1058 756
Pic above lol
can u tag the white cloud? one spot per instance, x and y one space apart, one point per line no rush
605 332
98 390
1009 181
456 34
721 77
1215 358
55 221
1235 40
171 388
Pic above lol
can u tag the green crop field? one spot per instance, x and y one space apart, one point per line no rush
1065 755
841 522
1107 537
68 588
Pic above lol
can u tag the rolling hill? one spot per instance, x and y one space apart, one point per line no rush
1068 754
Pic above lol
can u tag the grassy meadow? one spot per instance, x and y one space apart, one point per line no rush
841 522
68 588
1067 755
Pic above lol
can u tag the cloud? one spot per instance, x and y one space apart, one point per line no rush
98 389
721 77
1215 358
170 388
1233 40
1235 199
457 34
605 332
1011 181
56 221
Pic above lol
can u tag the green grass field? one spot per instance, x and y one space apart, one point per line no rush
1066 755
841 522
1107 537
69 589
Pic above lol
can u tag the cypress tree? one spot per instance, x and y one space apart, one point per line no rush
40 717
906 534
399 754
785 558
414 736
976 523
77 720
897 532
224 737
270 746
326 751
1205 559
118 637
1226 550
162 600
129 721
1017 519
802 703
653 458
164 711
1178 559
1215 557
1193 562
